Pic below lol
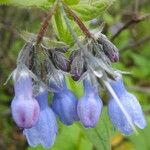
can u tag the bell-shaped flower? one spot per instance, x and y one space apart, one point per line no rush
24 108
45 130
89 106
131 106
64 104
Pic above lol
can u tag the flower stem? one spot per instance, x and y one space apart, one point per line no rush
78 21
46 22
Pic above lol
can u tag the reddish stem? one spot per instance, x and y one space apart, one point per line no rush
46 23
78 21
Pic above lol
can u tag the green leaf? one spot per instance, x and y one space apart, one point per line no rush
62 29
38 3
71 2
53 43
143 64
92 10
48 43
59 26
26 3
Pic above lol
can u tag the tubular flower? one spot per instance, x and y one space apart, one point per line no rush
131 105
45 130
64 104
89 106
25 109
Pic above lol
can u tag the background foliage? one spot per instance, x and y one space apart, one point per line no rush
132 40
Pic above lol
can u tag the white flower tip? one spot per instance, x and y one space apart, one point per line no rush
20 73
42 89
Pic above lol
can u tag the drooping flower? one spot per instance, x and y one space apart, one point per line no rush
64 104
89 106
25 109
45 130
130 104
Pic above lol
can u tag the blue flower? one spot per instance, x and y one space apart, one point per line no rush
131 105
89 106
64 104
45 130
25 109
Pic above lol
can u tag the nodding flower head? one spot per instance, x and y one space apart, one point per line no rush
89 106
45 130
25 109
64 104
130 104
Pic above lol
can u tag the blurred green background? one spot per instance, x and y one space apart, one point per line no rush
133 40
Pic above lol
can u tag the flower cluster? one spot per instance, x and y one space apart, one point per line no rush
32 112
41 70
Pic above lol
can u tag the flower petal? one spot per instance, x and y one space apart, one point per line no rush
118 119
64 104
25 112
89 109
134 108
44 132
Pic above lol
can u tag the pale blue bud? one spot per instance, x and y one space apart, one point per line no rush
64 104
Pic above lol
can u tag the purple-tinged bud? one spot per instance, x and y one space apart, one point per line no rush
60 61
74 54
78 66
130 104
45 130
109 48
25 109
64 104
89 106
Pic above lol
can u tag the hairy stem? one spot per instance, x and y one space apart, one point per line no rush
46 22
78 21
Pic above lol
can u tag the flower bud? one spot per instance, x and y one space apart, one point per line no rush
74 54
89 106
64 104
60 61
78 66
45 130
23 56
109 48
130 104
25 109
